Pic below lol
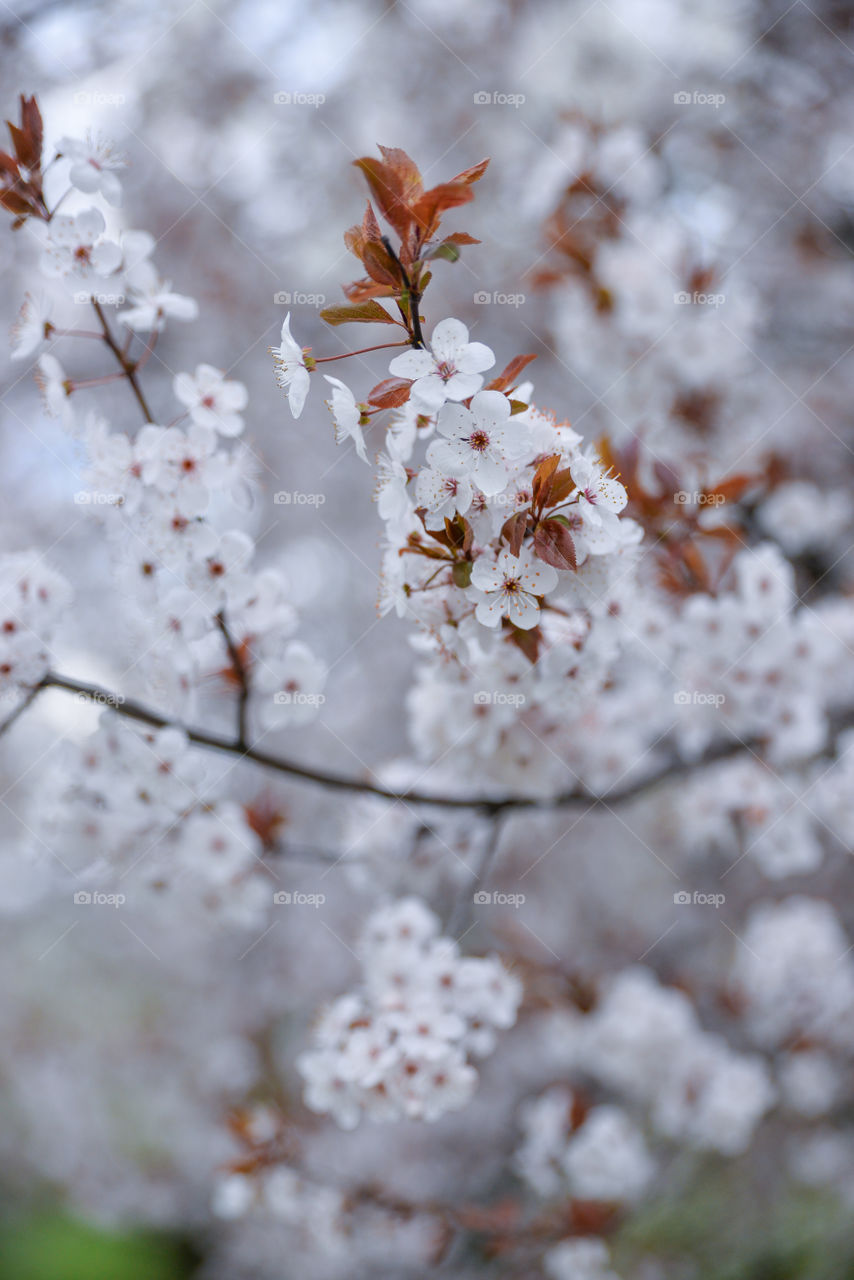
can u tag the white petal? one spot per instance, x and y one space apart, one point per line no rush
447 338
476 357
412 364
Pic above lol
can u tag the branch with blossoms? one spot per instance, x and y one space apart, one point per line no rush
487 539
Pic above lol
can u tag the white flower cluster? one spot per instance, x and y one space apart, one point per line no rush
165 485
795 975
644 1041
32 600
400 1045
602 1157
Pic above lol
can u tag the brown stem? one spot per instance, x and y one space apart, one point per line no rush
243 680
127 366
381 346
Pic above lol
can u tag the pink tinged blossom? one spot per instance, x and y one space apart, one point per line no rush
443 495
450 370
510 588
212 401
597 492
76 247
480 442
291 372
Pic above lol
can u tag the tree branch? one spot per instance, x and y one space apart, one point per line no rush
491 806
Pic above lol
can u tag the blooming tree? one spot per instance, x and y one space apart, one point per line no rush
592 622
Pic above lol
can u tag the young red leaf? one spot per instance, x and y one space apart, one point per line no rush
428 210
553 543
380 265
513 530
387 188
369 312
391 393
561 486
541 485
511 373
527 641
474 174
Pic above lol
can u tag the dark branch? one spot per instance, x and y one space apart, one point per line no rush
577 798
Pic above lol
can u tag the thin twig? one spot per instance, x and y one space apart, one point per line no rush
242 675
127 366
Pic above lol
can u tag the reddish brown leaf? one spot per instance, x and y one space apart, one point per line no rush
369 312
406 170
553 543
391 393
381 266
513 530
511 373
542 482
428 210
474 174
561 487
527 641
387 188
